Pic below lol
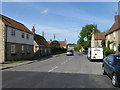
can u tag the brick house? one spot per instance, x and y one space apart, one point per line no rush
97 39
41 46
16 40
113 34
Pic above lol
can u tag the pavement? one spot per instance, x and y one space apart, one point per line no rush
11 65
57 72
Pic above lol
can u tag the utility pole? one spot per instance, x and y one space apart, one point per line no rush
54 37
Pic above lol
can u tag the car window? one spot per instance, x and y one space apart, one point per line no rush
117 61
110 58
118 57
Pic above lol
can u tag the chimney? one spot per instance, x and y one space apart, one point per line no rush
42 34
93 30
33 30
116 17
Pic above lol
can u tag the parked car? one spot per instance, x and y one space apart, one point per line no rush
84 52
70 52
111 66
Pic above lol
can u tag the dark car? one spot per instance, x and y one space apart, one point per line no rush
111 67
70 53
84 52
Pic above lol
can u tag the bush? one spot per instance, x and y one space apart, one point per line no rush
119 47
107 51
57 49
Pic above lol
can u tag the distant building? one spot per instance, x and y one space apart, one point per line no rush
97 39
113 35
71 46
16 40
41 46
62 43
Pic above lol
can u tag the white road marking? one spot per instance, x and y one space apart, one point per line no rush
64 62
53 69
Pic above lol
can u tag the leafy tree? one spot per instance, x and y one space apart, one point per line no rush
119 47
103 43
86 33
108 43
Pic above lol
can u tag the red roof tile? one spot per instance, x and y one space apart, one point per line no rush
100 36
114 27
14 24
62 43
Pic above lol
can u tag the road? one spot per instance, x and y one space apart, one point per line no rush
57 72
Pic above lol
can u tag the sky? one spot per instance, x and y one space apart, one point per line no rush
64 19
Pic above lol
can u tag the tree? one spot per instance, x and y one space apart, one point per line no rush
119 47
108 43
86 33
103 43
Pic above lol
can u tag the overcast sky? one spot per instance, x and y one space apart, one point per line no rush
65 19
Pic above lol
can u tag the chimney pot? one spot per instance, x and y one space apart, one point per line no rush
43 34
117 17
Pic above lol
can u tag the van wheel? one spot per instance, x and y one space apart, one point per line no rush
114 80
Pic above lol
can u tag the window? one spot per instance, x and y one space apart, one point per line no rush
23 49
114 34
13 32
110 58
28 51
13 49
27 36
23 35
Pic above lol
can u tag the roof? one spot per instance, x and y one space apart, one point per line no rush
14 24
100 36
62 43
114 27
41 41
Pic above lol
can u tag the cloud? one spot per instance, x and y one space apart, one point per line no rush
45 11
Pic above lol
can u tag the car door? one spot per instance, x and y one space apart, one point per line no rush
110 65
105 62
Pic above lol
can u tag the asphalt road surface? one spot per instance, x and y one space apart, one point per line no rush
57 72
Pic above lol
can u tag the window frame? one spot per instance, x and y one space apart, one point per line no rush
13 49
13 32
23 35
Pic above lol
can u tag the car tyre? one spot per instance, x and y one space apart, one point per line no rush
114 80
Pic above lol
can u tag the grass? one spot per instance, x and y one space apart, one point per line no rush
20 61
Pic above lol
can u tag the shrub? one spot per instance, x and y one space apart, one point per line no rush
57 49
107 51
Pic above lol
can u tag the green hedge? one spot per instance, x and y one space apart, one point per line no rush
57 50
107 51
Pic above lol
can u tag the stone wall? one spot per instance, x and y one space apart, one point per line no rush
18 55
2 54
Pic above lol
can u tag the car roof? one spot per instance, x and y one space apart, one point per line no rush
114 55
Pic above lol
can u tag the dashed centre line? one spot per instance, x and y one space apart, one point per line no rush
57 66
64 62
53 69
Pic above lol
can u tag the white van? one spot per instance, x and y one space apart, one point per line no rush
95 53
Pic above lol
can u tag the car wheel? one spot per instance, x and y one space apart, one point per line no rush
103 71
114 80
